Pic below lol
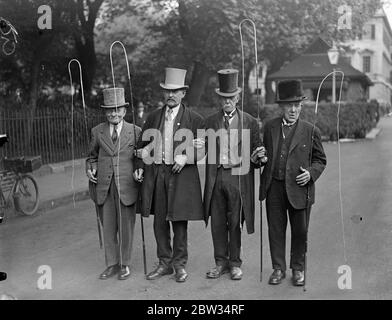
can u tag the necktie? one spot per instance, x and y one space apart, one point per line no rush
169 114
114 134
227 117
227 123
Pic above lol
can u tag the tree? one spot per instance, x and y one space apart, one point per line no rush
83 18
204 34
38 52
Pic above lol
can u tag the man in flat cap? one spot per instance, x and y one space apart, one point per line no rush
229 196
296 159
110 168
170 183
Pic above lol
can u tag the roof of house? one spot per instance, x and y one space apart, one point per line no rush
314 64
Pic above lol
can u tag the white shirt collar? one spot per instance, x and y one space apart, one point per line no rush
231 114
175 111
285 123
118 127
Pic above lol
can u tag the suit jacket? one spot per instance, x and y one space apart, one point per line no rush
110 160
299 155
185 200
246 180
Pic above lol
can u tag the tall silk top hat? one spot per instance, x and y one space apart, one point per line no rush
228 83
109 98
289 91
174 79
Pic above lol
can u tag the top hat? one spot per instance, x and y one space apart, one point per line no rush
174 79
289 91
109 98
228 83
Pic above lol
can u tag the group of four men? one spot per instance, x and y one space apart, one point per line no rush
152 164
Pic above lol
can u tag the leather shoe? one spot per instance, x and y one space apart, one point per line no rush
109 272
298 278
236 273
125 273
277 276
181 275
3 276
216 272
159 272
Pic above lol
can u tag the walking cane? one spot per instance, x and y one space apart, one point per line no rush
258 115
91 186
307 211
134 129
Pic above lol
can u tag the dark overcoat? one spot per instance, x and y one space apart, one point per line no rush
246 121
300 151
184 194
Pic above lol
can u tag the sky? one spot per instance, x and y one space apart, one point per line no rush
388 10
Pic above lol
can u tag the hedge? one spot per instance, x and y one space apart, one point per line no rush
356 118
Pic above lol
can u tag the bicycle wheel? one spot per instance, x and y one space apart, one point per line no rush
26 196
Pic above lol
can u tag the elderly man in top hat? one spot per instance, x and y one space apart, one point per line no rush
229 196
171 186
109 165
296 159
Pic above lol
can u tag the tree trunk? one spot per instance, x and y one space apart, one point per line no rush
88 60
84 42
200 77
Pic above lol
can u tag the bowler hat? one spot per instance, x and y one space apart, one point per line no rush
174 79
289 91
228 83
109 98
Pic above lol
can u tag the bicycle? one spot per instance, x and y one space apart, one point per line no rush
22 187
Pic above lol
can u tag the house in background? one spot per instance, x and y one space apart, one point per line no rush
312 66
371 53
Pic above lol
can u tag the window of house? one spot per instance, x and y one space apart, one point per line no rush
369 31
366 64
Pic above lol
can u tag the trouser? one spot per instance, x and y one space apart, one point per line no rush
225 219
176 256
278 206
118 228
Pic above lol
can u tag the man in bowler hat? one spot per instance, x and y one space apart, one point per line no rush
109 166
229 196
170 183
296 159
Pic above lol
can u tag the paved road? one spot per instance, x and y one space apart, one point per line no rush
66 240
